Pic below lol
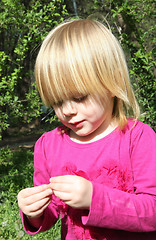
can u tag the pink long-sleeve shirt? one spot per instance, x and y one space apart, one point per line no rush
122 169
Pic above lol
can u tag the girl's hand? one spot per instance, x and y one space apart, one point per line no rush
75 191
33 201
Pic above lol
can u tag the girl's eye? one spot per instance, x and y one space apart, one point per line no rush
75 99
80 99
58 104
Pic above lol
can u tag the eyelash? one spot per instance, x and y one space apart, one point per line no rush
58 104
80 99
75 99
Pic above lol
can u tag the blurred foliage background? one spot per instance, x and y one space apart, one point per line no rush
25 23
23 26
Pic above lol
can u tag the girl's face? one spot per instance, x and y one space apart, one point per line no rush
89 118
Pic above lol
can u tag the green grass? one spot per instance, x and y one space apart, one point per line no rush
16 173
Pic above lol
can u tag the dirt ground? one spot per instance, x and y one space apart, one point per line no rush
22 141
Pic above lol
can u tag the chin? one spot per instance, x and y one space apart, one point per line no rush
83 134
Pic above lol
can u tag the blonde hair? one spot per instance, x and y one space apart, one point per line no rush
84 57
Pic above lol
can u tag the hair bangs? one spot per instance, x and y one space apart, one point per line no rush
67 66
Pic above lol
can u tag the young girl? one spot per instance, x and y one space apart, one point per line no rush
97 171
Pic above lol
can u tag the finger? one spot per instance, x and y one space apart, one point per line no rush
39 211
33 190
63 179
37 205
63 196
59 179
37 197
61 187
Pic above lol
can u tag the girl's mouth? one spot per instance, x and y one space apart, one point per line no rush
77 124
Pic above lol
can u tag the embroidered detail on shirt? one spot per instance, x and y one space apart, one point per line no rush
120 178
114 176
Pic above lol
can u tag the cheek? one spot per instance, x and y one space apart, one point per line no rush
97 111
99 115
58 113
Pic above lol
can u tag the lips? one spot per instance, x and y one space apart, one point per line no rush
77 124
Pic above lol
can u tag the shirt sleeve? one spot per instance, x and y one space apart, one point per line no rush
41 176
135 212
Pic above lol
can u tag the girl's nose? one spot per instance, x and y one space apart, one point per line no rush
69 108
